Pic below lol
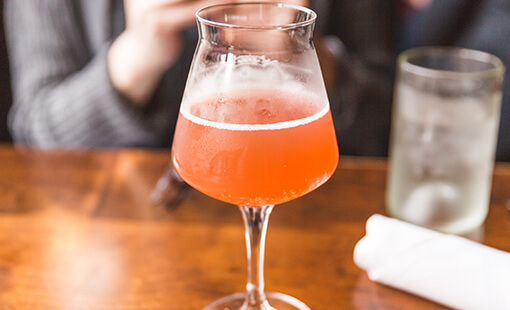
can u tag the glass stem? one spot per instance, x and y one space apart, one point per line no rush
255 223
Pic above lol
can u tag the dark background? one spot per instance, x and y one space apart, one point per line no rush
5 85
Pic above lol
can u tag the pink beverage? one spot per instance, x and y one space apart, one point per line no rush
255 147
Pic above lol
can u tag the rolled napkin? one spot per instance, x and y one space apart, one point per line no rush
447 269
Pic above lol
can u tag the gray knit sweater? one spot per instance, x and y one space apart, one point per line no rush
62 93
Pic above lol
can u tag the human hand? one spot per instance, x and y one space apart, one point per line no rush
156 24
150 44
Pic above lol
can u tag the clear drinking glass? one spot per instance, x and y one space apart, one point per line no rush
444 131
254 127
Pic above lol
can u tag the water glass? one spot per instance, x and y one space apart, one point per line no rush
445 122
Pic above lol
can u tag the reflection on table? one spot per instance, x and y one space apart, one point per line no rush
78 231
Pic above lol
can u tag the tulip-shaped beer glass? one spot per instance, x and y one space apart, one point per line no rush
255 128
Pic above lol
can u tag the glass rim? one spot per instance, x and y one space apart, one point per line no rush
203 20
403 60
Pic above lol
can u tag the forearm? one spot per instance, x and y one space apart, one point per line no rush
83 110
62 92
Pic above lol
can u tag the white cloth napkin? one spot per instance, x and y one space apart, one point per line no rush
447 269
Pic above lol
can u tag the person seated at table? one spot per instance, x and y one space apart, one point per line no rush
99 73
112 73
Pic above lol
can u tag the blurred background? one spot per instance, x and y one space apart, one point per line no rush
5 85
358 43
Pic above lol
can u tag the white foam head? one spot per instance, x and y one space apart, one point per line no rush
238 73
252 127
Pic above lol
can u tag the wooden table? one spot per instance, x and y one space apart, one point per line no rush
77 231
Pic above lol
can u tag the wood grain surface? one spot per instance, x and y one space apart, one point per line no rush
78 231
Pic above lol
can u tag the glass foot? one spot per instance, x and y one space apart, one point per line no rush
276 301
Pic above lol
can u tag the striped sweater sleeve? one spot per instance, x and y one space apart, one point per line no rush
63 96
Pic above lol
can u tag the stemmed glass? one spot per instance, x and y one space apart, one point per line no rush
255 128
